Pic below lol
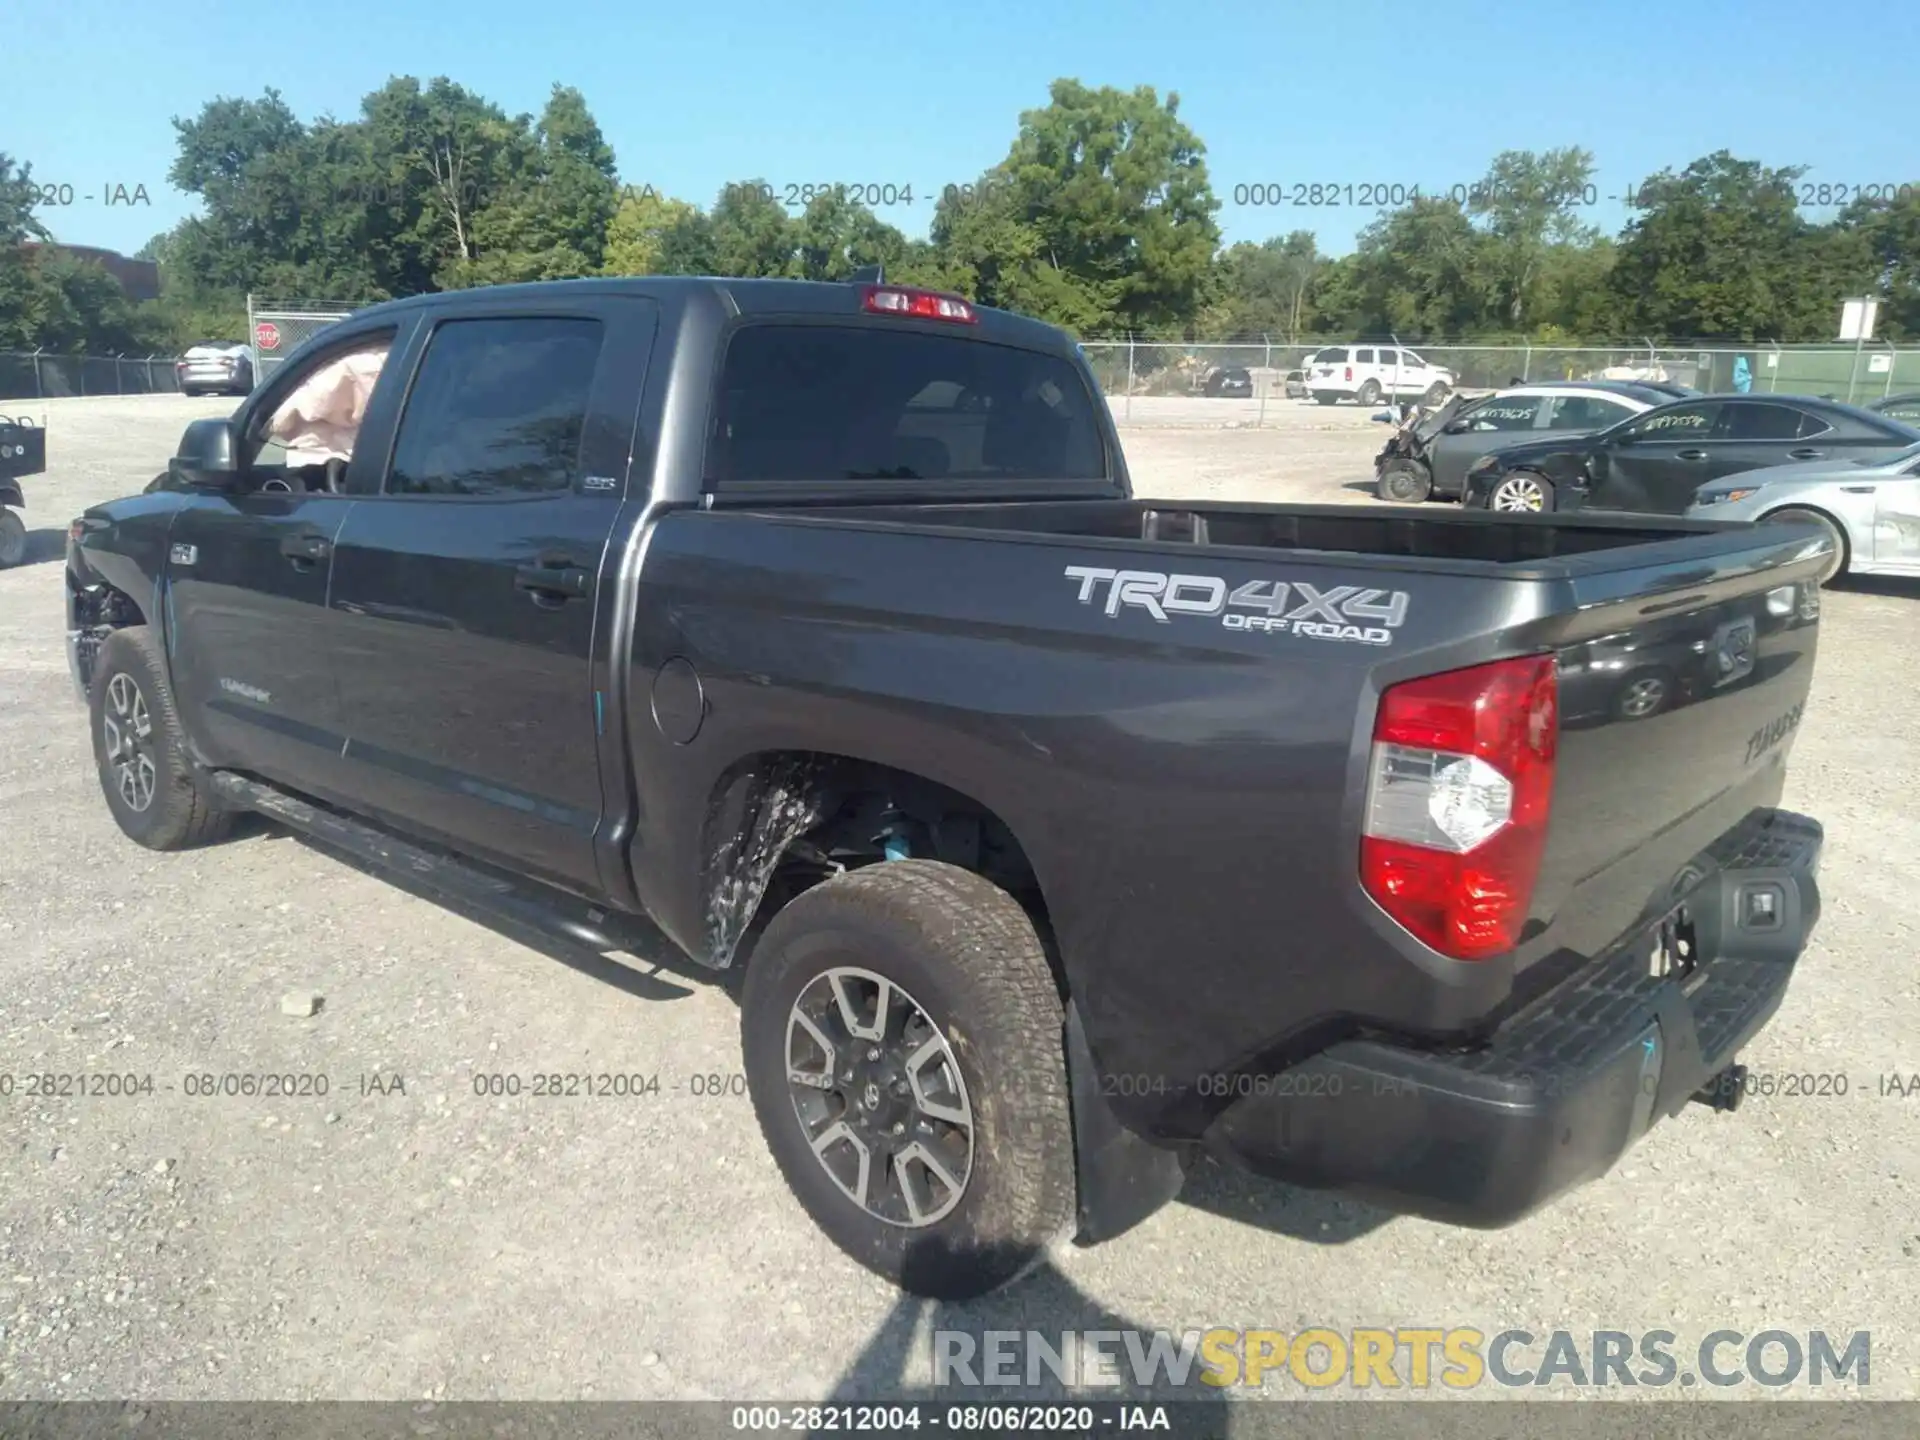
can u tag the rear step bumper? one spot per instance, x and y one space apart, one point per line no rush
1564 1088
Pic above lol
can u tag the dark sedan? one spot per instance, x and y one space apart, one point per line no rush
1234 382
1904 408
1653 463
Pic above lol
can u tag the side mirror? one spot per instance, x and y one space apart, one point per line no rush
206 456
1459 427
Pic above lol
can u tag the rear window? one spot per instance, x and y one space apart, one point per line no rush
842 402
1330 357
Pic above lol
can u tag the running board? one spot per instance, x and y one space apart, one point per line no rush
541 908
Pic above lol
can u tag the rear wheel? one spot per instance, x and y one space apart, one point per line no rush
1405 482
1522 492
13 539
139 748
1842 555
1369 393
903 1047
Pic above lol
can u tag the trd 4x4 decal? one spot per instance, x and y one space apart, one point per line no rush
1340 612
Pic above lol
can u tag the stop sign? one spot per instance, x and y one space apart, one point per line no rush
267 334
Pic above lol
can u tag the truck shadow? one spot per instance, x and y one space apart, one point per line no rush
888 1368
656 970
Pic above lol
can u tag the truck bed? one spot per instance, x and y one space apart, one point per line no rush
1349 531
982 645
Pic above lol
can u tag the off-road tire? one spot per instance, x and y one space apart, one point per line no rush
182 813
968 954
1842 552
13 539
1405 482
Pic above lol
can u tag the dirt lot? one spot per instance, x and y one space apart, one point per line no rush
387 1243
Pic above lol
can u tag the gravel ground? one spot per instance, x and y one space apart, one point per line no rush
400 1237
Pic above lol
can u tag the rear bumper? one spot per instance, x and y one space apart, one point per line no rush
1483 1138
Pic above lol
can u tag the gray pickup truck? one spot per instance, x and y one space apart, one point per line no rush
1065 837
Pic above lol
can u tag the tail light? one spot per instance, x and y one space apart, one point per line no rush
1349 372
917 304
1457 803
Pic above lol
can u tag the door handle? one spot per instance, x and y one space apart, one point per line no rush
553 582
1806 452
1857 489
1691 455
304 550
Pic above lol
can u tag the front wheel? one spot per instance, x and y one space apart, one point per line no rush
138 745
903 1047
1522 493
1837 565
1405 482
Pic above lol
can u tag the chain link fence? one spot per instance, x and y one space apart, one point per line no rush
276 328
1147 369
45 375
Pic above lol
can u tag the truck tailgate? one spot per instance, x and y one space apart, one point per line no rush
1679 704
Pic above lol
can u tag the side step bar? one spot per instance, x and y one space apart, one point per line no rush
549 912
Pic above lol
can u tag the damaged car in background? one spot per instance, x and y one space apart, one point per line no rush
23 452
1064 838
1430 452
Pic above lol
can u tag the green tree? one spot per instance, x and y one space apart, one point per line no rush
1418 272
1112 186
1528 207
1889 232
1263 288
752 235
836 236
636 235
1721 250
549 222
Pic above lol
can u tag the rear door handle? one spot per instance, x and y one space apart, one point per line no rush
304 550
1857 489
553 582
1692 455
1806 452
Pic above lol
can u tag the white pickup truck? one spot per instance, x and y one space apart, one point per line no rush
1370 373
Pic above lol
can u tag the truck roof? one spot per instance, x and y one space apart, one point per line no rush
743 297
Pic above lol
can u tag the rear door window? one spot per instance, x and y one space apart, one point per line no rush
1586 412
1763 422
843 402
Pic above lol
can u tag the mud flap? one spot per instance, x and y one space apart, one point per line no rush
1122 1178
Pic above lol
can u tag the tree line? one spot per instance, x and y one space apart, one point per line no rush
1100 218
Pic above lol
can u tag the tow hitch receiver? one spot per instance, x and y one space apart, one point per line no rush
1725 1091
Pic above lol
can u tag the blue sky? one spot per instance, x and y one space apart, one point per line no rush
1347 95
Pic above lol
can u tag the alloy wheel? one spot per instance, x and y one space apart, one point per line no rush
127 729
1518 493
1643 697
878 1092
